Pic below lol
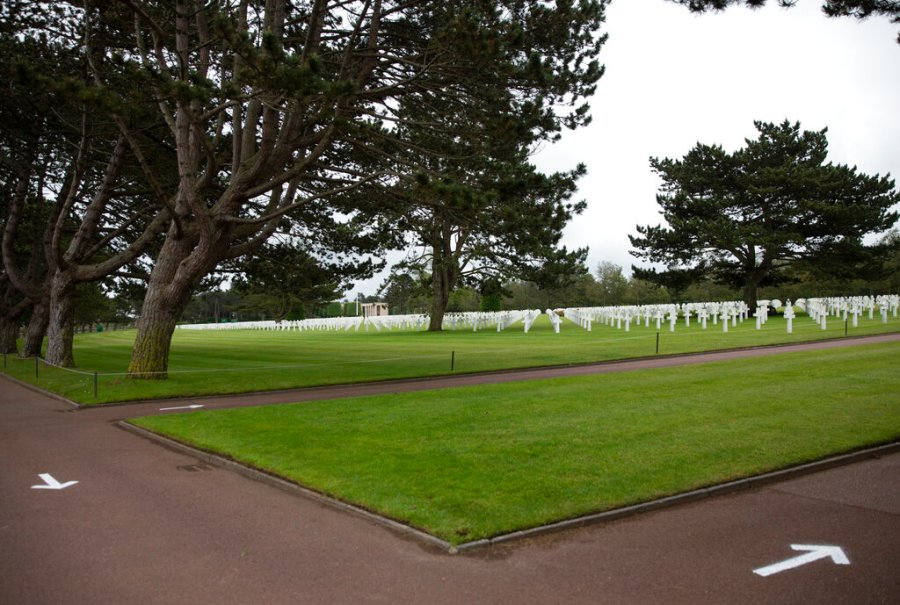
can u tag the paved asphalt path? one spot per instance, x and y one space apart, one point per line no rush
147 525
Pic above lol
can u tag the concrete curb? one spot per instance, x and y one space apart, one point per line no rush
583 521
287 486
691 496
44 392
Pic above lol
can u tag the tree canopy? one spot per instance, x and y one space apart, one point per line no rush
859 9
743 218
207 128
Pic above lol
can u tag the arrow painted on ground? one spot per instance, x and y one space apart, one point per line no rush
51 483
813 553
183 407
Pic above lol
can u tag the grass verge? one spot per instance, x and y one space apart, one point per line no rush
470 463
210 363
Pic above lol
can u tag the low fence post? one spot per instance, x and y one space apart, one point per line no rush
35 367
657 343
452 360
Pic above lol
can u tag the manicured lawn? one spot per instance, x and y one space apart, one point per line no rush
469 463
208 362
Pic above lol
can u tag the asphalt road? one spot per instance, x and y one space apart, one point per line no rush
148 525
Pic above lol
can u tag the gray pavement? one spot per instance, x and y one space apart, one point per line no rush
148 525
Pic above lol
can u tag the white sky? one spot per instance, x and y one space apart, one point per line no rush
674 78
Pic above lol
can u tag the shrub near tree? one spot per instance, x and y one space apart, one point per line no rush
745 218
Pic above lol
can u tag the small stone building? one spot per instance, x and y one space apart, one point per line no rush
375 309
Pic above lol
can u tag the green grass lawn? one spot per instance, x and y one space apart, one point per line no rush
211 362
469 463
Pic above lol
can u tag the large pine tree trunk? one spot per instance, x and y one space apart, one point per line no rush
161 311
750 296
9 326
37 328
444 273
181 265
754 277
9 332
750 293
61 316
439 300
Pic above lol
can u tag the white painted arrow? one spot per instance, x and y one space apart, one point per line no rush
51 483
814 553
183 407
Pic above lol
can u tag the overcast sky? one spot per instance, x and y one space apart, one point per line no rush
674 78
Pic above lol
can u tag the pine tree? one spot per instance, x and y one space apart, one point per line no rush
742 218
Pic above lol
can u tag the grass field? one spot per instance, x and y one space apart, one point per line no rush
210 362
469 463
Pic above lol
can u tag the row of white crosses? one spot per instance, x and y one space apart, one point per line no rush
847 307
622 317
482 320
329 324
734 311
452 321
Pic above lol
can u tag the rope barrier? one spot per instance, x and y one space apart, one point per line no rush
73 371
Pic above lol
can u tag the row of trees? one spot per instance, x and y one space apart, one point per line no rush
609 286
772 213
162 142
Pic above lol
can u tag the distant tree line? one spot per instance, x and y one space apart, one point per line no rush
607 285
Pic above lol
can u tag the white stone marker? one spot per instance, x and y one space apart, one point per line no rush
789 316
554 319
